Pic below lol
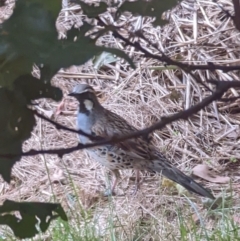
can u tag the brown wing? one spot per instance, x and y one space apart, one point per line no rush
112 125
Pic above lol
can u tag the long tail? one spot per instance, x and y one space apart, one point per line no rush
171 172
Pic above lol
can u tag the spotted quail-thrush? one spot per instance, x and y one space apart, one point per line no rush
138 154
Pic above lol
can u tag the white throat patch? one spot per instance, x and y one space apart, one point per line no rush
88 104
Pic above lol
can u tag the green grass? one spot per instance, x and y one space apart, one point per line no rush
145 218
214 225
224 230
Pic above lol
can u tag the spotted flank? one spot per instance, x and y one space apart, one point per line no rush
112 160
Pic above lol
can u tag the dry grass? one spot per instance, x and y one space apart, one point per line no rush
197 33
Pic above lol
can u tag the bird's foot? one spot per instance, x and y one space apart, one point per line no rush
137 185
109 193
136 188
134 191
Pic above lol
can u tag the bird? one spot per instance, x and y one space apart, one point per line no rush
138 153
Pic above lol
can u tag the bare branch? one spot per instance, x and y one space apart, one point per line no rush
169 61
221 88
197 79
62 127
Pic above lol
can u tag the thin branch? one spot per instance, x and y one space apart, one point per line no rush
221 88
62 127
197 79
169 61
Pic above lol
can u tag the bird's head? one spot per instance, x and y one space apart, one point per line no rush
86 96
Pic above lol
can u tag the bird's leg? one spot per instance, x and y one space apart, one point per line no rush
116 173
110 191
137 182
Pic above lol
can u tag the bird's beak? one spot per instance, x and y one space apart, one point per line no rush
72 94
